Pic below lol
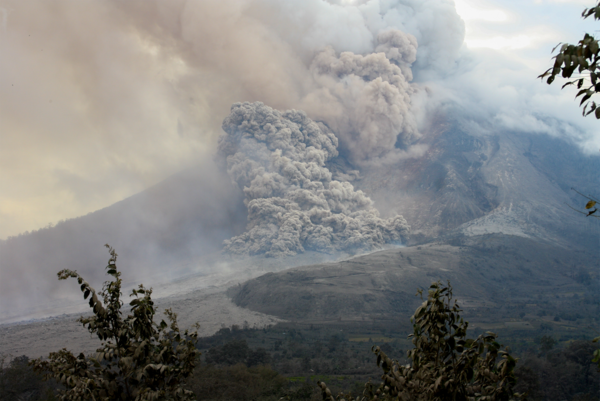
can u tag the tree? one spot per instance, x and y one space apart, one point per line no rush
445 364
138 358
237 382
583 58
546 344
18 381
232 353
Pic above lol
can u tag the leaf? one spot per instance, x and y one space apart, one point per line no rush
451 342
438 382
591 203
586 97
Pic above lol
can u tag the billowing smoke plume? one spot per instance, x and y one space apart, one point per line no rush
107 98
366 99
279 159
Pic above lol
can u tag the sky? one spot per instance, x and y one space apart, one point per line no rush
528 29
101 100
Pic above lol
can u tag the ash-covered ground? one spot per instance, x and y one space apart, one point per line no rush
195 297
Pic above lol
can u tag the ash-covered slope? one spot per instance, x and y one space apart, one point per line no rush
490 271
473 184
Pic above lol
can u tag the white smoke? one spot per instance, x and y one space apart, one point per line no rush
279 160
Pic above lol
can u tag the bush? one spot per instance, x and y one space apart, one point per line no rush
18 381
138 358
445 364
561 374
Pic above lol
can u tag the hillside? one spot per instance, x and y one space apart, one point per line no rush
494 276
464 184
479 183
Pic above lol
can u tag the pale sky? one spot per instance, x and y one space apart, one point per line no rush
529 27
97 103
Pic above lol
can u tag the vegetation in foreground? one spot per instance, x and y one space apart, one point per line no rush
445 364
579 60
550 372
138 358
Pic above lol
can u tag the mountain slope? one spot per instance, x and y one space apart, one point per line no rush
512 183
465 184
488 273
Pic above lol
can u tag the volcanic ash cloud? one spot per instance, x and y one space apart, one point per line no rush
366 99
279 160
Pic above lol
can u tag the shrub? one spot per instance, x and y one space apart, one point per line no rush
138 358
445 364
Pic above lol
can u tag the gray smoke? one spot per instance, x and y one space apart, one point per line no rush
366 99
279 160
108 98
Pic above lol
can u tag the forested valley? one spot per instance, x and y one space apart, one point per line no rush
287 360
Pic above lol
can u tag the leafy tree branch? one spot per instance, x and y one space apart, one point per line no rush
446 365
580 59
138 358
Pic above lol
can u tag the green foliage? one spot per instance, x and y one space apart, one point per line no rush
231 353
445 364
560 374
236 352
138 358
546 343
583 58
18 381
236 382
596 354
